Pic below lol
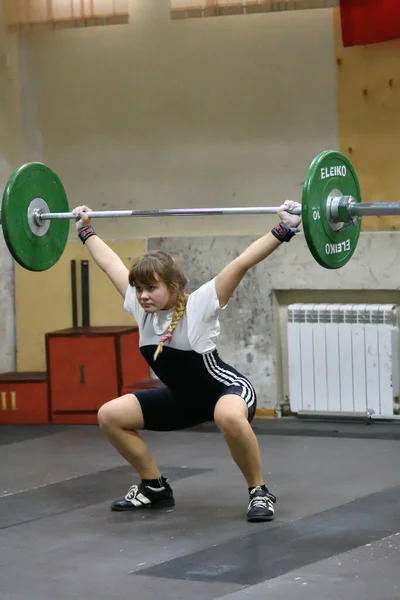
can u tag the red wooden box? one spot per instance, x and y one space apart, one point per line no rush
24 398
88 367
142 385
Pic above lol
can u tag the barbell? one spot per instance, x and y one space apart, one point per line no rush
35 213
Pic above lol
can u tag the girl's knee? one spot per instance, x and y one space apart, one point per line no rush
121 413
229 422
231 414
106 415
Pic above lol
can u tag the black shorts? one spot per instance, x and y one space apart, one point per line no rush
164 411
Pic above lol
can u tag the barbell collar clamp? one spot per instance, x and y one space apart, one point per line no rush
37 216
339 209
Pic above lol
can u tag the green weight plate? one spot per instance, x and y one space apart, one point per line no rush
330 174
34 247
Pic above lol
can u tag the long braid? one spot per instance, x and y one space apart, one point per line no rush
176 317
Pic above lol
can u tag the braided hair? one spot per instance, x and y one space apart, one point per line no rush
156 266
176 317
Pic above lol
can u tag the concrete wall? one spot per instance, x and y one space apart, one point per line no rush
253 336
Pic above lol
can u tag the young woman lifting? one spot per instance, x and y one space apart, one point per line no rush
178 334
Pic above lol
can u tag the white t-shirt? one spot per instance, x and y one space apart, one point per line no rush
202 315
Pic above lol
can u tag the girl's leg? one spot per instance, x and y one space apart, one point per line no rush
119 419
231 416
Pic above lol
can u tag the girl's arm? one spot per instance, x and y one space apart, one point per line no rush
229 278
103 255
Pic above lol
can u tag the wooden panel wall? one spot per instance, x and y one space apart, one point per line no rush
43 300
369 120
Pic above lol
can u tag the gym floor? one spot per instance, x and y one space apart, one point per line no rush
335 535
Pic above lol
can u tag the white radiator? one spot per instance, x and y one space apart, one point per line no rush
343 358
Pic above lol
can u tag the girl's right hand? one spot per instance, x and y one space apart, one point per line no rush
82 220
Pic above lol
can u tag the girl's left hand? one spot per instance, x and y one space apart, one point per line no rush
289 219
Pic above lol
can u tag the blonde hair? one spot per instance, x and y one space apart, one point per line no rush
156 266
176 317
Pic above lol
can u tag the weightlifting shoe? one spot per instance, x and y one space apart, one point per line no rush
143 496
261 505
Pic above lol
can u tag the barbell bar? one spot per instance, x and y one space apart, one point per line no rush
353 209
35 212
168 212
371 209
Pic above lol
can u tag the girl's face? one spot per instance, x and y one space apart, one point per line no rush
156 296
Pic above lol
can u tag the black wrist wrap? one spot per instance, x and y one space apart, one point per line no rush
86 232
283 233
